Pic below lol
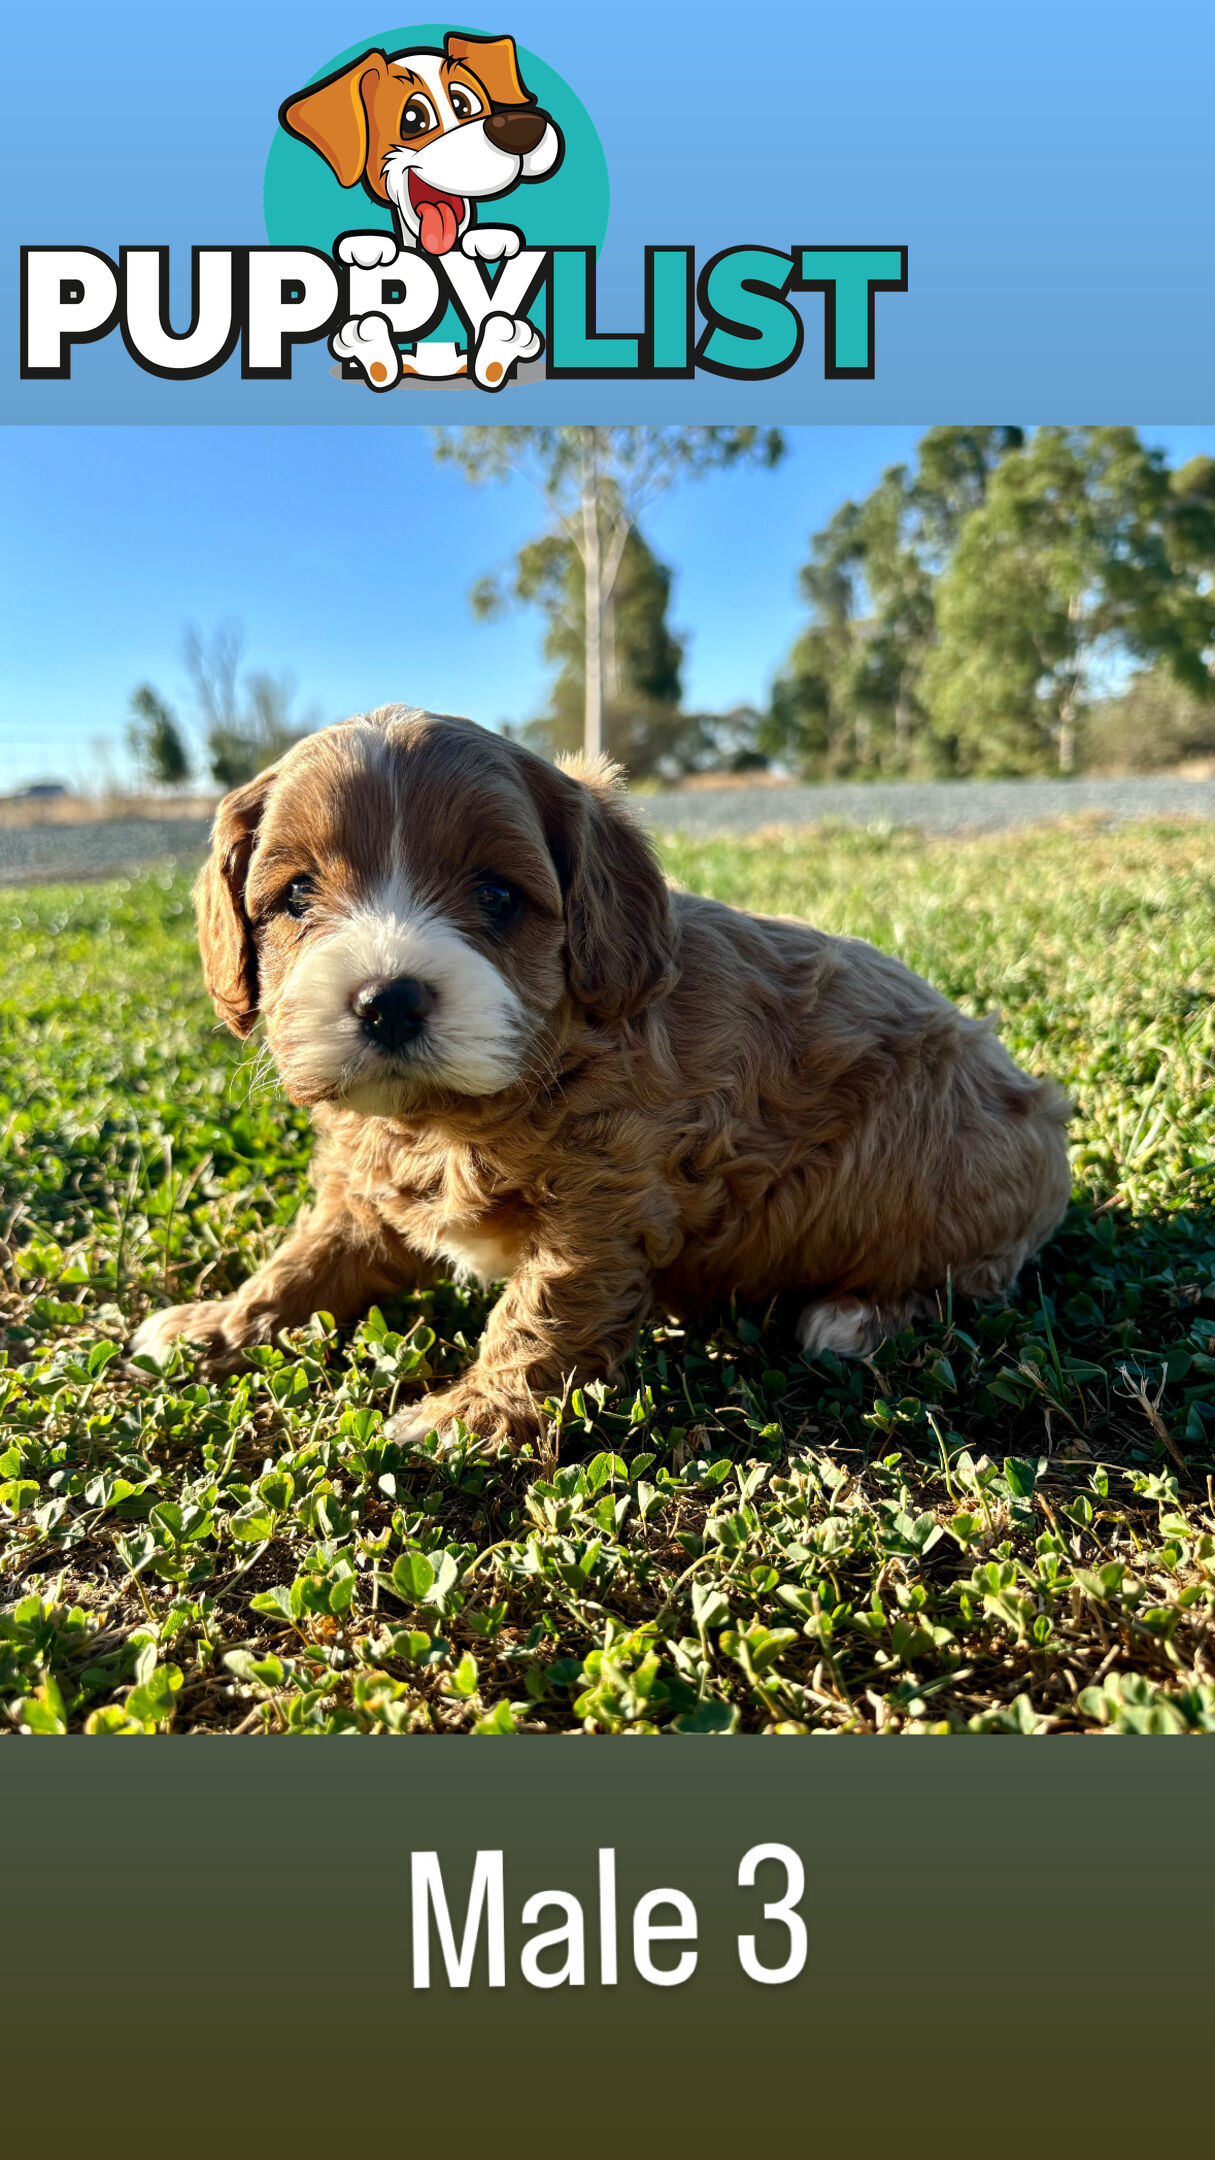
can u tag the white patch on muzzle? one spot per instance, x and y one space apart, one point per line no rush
462 161
471 1042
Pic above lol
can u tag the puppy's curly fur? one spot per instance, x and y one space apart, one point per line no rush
622 1098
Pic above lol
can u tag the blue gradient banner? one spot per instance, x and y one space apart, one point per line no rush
877 214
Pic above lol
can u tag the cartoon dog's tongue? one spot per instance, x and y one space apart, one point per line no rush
439 215
439 224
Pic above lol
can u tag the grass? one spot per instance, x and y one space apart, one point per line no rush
1000 1523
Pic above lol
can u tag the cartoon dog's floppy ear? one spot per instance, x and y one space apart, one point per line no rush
225 937
494 62
620 934
332 115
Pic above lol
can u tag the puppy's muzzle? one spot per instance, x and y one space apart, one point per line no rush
517 132
393 1014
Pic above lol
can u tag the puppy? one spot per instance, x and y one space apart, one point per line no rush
528 1058
432 134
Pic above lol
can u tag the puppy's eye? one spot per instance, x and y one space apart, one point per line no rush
418 117
498 901
296 899
464 103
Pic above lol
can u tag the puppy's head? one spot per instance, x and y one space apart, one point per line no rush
418 909
430 132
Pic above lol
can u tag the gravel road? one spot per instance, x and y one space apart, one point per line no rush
935 806
30 853
41 852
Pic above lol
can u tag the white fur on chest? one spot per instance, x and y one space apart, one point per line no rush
477 1251
449 1224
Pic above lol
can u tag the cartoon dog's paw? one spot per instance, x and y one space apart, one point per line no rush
367 340
491 243
505 341
435 361
367 250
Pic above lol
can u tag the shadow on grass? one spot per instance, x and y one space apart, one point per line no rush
1106 1351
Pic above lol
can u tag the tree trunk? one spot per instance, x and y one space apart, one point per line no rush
611 658
592 741
902 724
1071 697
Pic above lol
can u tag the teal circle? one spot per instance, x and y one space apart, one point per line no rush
306 206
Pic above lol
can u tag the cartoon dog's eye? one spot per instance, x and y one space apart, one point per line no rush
464 103
418 117
297 896
497 901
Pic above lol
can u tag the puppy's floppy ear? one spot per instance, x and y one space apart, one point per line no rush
225 938
332 115
619 929
494 62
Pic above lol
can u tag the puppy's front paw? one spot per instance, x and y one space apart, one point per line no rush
367 340
202 1324
367 250
505 340
491 243
491 1418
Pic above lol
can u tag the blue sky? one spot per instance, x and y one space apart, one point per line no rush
348 557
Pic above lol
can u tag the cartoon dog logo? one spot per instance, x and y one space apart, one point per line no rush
432 134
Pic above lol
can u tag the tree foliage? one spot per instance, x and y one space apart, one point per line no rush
155 740
642 657
968 614
595 483
248 721
1155 724
849 699
1086 550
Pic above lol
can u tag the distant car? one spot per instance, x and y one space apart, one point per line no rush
40 791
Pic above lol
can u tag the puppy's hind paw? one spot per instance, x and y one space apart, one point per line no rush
367 341
846 1325
505 340
853 1326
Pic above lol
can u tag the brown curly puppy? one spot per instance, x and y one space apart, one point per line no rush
529 1059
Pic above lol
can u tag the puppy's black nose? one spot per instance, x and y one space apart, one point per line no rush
516 131
393 1013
